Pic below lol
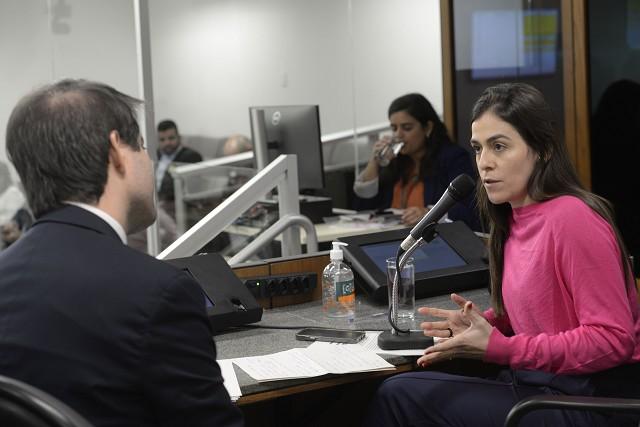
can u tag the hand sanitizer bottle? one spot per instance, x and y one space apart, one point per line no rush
338 291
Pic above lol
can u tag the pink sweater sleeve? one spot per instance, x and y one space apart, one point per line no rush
501 323
592 327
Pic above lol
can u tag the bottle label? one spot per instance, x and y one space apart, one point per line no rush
345 292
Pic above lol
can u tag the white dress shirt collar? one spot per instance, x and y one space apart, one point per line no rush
105 216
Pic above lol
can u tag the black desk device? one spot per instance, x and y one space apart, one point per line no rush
227 299
455 260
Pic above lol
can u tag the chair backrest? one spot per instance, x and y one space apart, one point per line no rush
614 405
25 406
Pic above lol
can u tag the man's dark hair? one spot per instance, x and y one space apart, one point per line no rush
58 140
166 125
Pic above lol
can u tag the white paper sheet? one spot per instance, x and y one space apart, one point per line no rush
230 379
343 359
315 360
280 366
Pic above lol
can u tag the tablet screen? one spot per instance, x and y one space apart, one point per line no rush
207 301
434 255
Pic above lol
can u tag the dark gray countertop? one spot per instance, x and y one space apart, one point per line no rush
243 342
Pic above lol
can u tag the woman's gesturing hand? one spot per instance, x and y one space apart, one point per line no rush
463 333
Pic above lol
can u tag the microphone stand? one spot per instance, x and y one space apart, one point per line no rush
403 339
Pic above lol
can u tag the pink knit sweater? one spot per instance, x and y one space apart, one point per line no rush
568 309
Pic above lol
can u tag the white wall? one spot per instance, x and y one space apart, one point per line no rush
212 59
397 50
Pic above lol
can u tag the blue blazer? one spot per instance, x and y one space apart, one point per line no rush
119 336
452 160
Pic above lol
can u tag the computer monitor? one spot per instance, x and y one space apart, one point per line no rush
290 129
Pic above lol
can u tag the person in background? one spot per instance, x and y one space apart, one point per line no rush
13 229
11 198
420 174
14 215
236 144
564 316
121 337
170 150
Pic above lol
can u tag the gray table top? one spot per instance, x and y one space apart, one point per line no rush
259 341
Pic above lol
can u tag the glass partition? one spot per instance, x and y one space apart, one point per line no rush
213 59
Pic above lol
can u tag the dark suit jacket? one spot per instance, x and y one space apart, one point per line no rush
119 336
184 155
452 160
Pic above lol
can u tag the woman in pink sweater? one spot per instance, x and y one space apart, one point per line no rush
564 316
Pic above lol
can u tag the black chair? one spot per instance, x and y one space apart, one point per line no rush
22 405
576 403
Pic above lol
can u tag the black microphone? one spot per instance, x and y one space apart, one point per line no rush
458 189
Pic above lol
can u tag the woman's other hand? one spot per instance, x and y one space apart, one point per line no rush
378 146
370 172
463 333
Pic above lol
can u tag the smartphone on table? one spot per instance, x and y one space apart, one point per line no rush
346 336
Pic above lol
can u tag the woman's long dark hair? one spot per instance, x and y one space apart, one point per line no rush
524 108
418 107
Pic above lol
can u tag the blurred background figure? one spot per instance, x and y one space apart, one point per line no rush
11 198
170 151
236 144
15 218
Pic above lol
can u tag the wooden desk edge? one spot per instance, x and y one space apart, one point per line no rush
331 381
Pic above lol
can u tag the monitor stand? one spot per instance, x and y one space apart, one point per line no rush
313 207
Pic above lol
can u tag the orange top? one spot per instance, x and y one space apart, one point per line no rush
409 195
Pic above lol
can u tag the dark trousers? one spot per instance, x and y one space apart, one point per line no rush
431 398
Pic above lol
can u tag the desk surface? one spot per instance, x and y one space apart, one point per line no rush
244 342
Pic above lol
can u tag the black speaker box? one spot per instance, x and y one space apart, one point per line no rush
313 207
228 301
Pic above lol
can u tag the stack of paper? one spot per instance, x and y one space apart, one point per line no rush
320 358
316 360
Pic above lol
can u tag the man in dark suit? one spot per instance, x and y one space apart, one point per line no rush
170 150
119 336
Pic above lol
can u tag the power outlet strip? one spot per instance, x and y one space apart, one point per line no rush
280 285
